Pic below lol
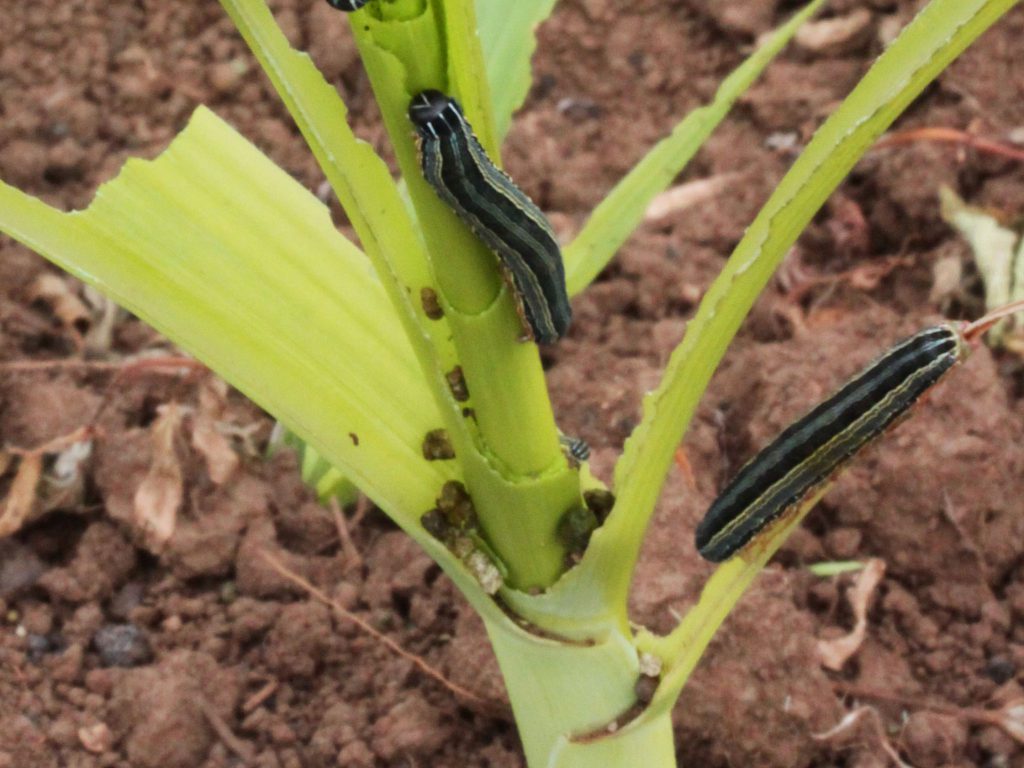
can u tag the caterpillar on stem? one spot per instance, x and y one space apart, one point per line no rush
812 449
499 213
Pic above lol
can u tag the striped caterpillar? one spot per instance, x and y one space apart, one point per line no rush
497 211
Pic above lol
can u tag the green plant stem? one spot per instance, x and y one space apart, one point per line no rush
518 477
561 692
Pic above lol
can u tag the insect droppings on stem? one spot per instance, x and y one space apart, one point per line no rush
431 304
437 445
457 384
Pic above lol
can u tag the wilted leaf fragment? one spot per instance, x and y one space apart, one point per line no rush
96 738
33 493
835 653
995 252
692 193
55 292
21 497
1011 719
837 35
221 460
159 496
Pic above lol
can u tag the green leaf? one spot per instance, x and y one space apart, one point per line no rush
559 690
403 49
598 587
358 176
328 481
230 257
835 568
683 647
928 44
619 214
227 255
465 72
508 38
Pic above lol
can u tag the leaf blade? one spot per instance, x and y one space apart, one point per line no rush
508 38
226 282
619 214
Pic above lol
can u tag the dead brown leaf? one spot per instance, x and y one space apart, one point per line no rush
833 654
847 729
839 34
106 314
221 460
1011 719
56 293
159 496
22 495
96 738
26 499
684 196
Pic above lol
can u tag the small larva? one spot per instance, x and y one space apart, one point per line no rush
812 449
347 5
497 211
575 447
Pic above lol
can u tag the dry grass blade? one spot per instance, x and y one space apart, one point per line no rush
58 444
44 366
232 742
1009 717
851 721
684 196
950 136
352 557
417 661
260 696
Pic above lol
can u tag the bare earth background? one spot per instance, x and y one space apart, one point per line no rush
114 654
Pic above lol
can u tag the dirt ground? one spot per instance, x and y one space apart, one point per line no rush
115 654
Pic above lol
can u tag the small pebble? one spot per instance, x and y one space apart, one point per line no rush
1000 669
122 645
41 645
